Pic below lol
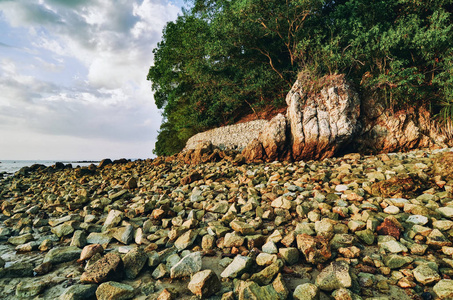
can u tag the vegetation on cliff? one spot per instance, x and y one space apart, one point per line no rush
223 59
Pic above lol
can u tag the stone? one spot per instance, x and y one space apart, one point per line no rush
334 276
444 289
265 259
394 261
306 291
207 242
131 183
186 239
417 219
160 271
249 290
21 239
188 265
388 227
242 227
239 265
134 261
341 240
426 275
356 225
79 292
166 294
79 239
289 255
367 236
281 202
446 211
204 283
98 238
89 251
270 248
391 210
233 240
18 270
124 234
393 246
28 289
112 290
387 131
110 267
315 249
43 268
324 228
63 229
437 240
113 219
265 276
443 225
62 254
344 294
375 176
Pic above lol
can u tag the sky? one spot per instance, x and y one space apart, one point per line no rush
73 78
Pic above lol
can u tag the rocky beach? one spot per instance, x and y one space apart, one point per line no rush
350 227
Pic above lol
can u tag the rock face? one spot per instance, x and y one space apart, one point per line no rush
386 131
270 144
234 137
321 124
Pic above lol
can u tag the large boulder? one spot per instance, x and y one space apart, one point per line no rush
324 122
270 144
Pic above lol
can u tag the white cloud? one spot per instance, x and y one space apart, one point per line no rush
79 75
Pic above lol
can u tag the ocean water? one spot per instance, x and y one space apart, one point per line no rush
12 166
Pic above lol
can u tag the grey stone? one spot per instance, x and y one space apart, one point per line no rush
62 254
334 276
160 271
21 239
28 289
18 269
290 255
134 261
188 265
63 229
79 292
395 261
113 218
79 239
98 238
239 265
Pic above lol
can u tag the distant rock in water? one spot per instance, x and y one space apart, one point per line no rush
318 125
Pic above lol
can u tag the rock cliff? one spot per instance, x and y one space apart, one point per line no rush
322 123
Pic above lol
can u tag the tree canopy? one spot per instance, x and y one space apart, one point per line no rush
223 59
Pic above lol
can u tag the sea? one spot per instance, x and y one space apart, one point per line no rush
12 166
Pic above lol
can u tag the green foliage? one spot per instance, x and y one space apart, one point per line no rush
223 59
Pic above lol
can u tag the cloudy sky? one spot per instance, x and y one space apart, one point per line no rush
73 77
